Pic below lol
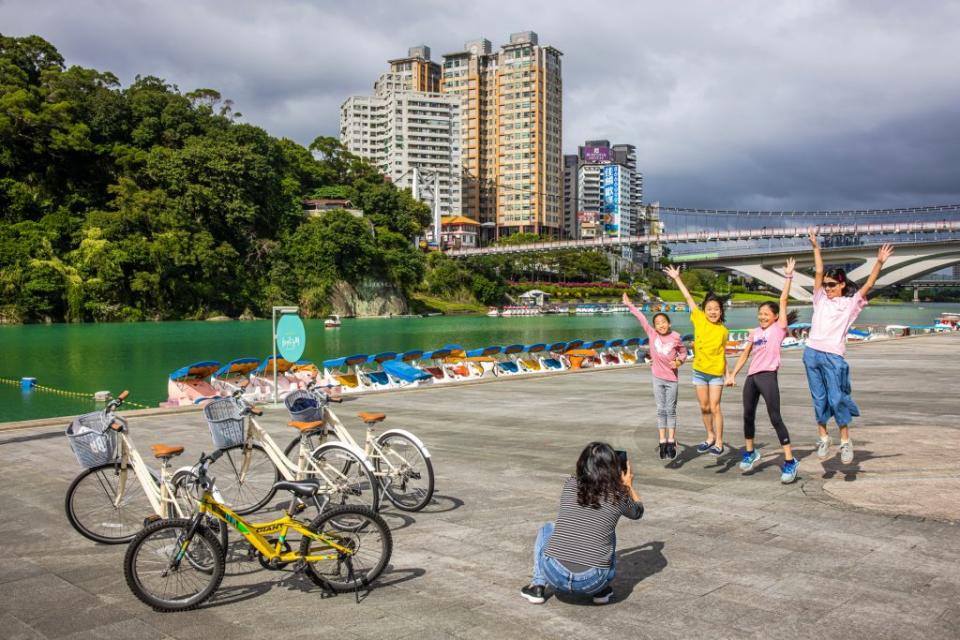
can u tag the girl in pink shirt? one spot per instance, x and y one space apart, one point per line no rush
764 344
836 304
667 353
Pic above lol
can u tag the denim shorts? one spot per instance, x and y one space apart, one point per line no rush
701 378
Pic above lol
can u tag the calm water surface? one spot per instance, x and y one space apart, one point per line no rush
139 357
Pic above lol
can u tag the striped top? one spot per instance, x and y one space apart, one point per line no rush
584 535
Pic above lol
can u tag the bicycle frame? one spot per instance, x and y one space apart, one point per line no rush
305 467
161 498
255 533
371 449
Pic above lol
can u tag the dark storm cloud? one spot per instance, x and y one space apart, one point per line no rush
815 104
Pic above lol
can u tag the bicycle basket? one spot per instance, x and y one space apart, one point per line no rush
92 440
225 422
303 406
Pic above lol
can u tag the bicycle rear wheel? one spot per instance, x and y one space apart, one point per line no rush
166 578
91 509
368 544
407 472
245 475
347 479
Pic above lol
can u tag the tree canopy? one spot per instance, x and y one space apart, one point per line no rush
145 202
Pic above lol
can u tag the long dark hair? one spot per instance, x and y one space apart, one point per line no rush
598 476
850 287
774 307
659 314
721 300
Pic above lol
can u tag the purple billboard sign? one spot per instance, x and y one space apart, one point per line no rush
596 154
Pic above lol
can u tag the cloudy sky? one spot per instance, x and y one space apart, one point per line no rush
748 104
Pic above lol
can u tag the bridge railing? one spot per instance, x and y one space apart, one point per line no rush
722 235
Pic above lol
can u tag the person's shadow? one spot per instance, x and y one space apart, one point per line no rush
832 465
634 565
685 455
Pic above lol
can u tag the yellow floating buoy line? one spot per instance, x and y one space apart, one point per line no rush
30 383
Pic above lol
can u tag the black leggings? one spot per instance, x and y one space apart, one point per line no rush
763 384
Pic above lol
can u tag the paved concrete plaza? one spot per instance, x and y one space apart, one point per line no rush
861 551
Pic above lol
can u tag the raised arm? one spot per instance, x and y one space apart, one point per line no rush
882 255
785 294
817 260
638 315
674 273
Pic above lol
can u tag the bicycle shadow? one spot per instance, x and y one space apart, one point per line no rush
297 581
390 516
634 565
833 466
442 504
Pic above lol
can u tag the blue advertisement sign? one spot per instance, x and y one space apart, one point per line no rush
610 185
291 337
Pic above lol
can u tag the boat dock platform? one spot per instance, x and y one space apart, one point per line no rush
867 550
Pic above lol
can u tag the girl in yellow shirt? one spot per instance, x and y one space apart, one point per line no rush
709 360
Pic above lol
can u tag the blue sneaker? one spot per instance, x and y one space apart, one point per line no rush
789 471
704 446
715 450
749 459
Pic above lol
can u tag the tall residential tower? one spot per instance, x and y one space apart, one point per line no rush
512 117
409 130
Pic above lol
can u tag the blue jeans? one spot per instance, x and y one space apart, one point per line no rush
549 571
829 378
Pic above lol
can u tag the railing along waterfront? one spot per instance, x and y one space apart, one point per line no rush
723 235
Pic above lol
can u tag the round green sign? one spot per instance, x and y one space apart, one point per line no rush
291 337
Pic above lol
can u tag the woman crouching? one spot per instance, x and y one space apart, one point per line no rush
577 554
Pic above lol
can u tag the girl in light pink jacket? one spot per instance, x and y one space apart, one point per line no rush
667 353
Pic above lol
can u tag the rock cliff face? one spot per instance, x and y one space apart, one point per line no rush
367 298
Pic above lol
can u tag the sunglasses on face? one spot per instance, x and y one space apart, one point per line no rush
830 285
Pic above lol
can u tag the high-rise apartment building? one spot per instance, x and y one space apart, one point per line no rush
570 164
511 106
411 134
609 193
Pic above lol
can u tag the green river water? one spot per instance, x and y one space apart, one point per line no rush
139 357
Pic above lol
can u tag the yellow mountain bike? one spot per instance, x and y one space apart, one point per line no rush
177 564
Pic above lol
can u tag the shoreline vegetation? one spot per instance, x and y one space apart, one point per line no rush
148 203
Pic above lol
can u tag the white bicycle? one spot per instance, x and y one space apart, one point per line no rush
104 503
401 462
252 462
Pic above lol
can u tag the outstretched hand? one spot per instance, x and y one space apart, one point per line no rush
788 269
672 272
813 237
884 253
627 301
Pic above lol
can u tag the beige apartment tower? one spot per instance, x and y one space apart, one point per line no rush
511 121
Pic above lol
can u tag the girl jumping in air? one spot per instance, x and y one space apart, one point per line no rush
764 344
836 304
667 353
709 360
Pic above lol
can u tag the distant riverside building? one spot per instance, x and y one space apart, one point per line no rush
511 106
459 232
320 206
608 192
409 130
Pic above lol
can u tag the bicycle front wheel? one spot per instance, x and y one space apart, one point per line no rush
245 475
170 570
364 542
95 512
345 477
405 472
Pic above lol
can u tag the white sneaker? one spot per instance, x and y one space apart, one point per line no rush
823 447
846 452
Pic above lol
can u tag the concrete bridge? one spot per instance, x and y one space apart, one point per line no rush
909 262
